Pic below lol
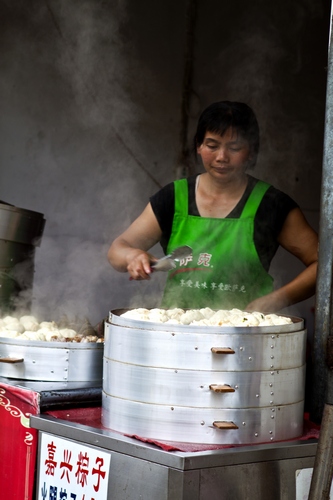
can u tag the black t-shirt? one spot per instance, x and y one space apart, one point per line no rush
268 222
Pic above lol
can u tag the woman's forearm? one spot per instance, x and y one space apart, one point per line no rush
130 249
120 254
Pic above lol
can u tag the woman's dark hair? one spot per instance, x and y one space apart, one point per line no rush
220 116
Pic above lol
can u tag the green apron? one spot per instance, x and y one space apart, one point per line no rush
225 270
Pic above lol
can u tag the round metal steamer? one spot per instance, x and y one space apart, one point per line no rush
51 361
210 385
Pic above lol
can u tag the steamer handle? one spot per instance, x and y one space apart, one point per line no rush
225 425
221 388
11 360
222 350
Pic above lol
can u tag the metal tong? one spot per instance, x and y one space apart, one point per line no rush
169 261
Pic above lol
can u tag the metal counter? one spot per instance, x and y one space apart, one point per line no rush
143 471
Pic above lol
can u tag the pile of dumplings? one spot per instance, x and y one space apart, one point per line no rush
206 317
29 328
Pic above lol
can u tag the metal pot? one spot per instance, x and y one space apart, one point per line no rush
214 385
20 232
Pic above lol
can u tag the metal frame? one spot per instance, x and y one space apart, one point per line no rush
323 340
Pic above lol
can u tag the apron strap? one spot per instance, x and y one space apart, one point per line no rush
254 200
181 196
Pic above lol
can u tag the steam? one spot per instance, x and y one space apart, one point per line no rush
66 270
72 272
72 278
85 208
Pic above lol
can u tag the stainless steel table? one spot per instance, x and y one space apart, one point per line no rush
143 471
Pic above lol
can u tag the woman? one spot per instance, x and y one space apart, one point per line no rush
233 222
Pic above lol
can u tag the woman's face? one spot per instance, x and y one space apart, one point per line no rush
225 157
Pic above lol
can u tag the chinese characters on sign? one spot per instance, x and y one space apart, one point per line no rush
71 471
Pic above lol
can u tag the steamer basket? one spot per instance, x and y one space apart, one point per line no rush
213 385
51 361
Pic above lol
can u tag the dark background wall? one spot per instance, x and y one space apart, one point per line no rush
91 121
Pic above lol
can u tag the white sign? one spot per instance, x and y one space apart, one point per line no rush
71 471
303 483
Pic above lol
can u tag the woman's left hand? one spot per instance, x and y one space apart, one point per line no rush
267 304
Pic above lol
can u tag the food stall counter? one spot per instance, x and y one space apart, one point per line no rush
134 469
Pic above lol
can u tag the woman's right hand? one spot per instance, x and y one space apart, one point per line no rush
139 264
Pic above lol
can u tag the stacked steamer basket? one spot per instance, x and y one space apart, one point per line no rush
48 352
204 384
